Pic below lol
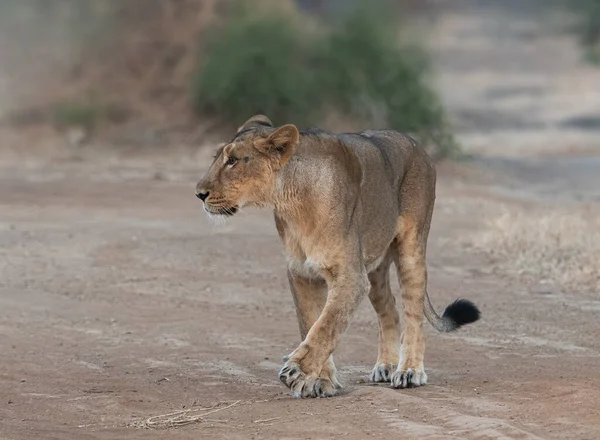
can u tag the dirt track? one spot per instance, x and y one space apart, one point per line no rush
118 301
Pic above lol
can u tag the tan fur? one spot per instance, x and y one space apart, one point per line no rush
346 206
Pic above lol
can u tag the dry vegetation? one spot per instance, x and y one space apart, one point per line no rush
558 248
101 64
190 68
185 417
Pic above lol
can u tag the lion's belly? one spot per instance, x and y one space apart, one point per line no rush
309 261
312 270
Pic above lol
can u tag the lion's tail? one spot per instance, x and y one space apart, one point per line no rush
457 314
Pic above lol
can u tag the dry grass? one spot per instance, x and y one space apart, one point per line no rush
550 247
185 417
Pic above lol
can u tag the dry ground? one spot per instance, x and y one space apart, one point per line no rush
119 301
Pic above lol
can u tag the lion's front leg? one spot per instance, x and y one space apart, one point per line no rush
309 370
310 296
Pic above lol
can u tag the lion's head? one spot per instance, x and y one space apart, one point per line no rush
245 169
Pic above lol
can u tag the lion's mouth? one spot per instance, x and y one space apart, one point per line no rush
221 210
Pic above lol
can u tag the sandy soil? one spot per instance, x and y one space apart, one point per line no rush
120 302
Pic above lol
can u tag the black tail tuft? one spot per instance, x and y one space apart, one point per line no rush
461 312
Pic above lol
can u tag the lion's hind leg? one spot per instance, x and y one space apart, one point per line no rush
412 272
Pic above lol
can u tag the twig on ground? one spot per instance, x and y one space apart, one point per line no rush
266 420
182 418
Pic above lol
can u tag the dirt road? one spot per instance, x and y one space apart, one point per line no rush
119 302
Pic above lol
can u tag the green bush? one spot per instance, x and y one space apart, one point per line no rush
86 115
256 64
263 63
588 27
382 83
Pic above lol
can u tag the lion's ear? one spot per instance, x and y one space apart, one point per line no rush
283 142
256 121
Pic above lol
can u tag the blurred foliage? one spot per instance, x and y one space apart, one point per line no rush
372 77
263 62
86 115
588 27
256 64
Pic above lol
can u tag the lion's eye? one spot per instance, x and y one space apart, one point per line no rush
231 161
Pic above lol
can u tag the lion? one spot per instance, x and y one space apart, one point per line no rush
346 207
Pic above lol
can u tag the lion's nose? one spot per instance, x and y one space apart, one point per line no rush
202 194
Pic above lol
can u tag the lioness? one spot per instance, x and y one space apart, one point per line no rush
346 206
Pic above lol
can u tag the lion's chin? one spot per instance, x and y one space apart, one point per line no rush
221 211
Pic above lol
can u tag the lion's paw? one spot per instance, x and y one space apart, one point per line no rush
409 378
382 373
303 385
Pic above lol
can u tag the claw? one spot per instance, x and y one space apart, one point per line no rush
382 373
409 378
303 385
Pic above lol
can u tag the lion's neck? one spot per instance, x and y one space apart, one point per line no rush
293 192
